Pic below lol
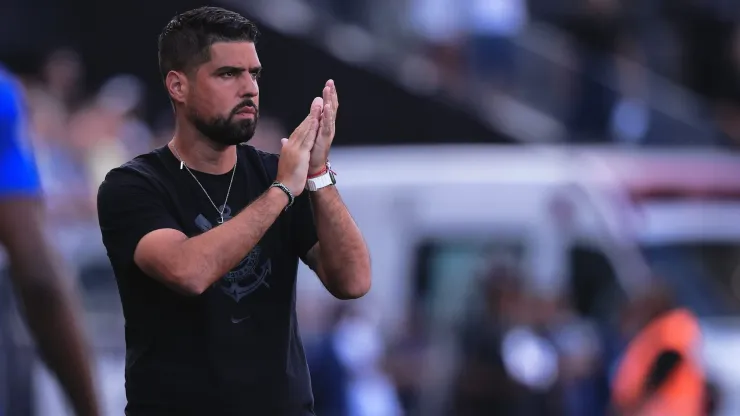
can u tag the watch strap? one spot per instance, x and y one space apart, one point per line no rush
321 181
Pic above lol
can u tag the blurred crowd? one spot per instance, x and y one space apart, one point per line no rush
79 134
594 69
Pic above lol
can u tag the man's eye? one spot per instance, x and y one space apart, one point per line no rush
228 74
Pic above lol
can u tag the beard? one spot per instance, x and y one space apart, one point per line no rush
227 131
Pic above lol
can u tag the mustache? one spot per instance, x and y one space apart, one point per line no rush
246 103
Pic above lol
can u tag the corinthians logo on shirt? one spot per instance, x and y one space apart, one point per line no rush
249 275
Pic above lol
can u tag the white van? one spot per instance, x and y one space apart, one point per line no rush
583 222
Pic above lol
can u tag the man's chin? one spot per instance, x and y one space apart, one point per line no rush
233 139
244 132
230 141
228 134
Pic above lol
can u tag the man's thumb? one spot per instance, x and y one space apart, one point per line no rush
284 142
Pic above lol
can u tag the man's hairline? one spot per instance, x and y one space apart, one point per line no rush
194 68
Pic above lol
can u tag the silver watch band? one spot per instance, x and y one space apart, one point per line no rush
325 179
321 181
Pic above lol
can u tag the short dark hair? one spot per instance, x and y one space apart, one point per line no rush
185 42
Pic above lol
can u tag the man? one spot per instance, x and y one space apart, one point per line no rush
659 373
205 233
38 277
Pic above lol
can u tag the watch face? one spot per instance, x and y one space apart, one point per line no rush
331 176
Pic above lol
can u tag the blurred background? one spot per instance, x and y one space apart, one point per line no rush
540 182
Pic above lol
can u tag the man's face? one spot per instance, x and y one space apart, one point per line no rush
223 96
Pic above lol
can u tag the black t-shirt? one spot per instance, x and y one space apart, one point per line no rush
235 349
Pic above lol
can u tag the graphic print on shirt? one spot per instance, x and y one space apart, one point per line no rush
249 275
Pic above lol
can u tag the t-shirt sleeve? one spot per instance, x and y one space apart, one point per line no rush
18 173
303 226
129 207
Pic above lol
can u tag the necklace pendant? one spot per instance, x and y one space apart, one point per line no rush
221 220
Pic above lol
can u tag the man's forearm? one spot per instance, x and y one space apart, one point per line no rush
343 257
53 317
206 258
51 307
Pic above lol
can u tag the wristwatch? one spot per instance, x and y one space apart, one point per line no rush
321 180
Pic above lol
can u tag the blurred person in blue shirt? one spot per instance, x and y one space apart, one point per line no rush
49 301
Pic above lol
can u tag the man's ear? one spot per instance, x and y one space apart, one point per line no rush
177 86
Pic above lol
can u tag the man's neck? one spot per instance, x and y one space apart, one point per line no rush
201 153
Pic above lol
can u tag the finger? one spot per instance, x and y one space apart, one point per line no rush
312 122
333 116
309 137
326 93
283 142
327 120
334 97
316 106
298 132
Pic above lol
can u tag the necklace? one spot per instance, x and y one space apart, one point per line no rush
228 191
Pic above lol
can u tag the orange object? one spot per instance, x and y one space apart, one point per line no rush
682 393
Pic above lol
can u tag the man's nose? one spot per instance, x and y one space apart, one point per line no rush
249 87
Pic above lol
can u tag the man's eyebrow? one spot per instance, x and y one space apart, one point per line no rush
225 69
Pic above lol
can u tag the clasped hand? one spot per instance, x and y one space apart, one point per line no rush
306 151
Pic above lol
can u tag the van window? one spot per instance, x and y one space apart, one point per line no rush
594 287
448 271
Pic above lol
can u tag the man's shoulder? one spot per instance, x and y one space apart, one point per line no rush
145 170
18 172
11 107
147 165
137 183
